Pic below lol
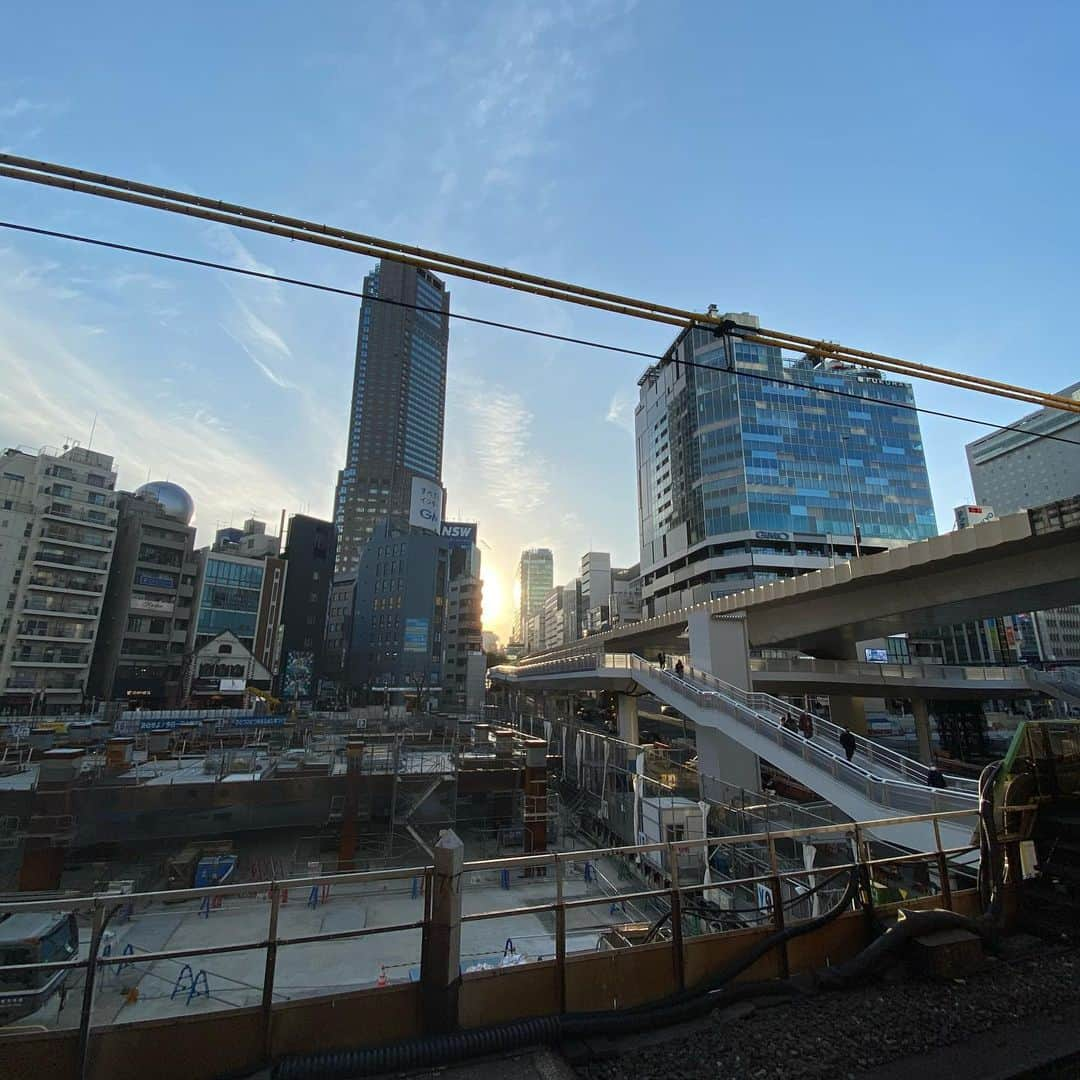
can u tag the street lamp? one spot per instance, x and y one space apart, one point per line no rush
851 497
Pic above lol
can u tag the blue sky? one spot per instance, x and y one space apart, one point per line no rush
896 177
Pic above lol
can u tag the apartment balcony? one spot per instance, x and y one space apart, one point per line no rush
164 559
68 475
27 656
55 683
42 604
56 633
75 538
82 516
72 584
57 558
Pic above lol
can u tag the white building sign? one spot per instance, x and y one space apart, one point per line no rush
425 507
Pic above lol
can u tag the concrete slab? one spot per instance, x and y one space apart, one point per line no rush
235 979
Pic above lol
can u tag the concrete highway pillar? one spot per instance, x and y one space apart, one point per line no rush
921 711
629 731
440 964
849 712
720 647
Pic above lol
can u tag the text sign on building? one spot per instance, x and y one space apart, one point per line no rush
416 635
157 581
459 533
966 516
425 506
232 686
139 603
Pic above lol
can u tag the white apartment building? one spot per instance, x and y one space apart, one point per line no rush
57 533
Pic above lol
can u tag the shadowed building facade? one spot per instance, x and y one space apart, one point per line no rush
398 403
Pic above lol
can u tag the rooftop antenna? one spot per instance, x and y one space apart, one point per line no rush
93 428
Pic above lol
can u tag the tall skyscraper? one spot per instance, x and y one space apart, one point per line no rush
398 403
1015 470
534 579
746 479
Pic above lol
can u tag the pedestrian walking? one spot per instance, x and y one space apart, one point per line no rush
806 725
847 741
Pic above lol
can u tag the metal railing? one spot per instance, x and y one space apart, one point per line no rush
875 672
672 892
907 790
1064 680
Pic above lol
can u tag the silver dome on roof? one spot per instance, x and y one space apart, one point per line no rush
172 498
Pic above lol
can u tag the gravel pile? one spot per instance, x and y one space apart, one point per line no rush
839 1035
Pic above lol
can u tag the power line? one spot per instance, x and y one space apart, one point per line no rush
51 174
352 293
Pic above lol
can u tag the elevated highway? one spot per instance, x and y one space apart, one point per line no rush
877 783
1022 562
803 675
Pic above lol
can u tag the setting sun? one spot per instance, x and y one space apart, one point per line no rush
496 613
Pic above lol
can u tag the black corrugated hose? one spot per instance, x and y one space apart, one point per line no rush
460 1045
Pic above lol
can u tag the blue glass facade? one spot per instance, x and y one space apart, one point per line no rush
229 600
771 458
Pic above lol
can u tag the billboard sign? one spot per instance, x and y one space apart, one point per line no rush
297 681
876 656
416 636
425 506
459 533
966 516
232 686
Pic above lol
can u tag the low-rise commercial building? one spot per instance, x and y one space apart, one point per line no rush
241 594
139 654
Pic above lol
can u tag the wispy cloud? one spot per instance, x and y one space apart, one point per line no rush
60 388
19 107
274 377
226 242
621 411
24 109
262 332
125 279
512 475
65 370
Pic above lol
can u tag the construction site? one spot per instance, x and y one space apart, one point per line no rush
207 801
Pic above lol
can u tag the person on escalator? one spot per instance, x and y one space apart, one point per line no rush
679 668
847 741
806 725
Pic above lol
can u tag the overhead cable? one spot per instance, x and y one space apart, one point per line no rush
103 185
532 331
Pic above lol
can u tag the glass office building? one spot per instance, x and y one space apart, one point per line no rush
745 478
229 600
